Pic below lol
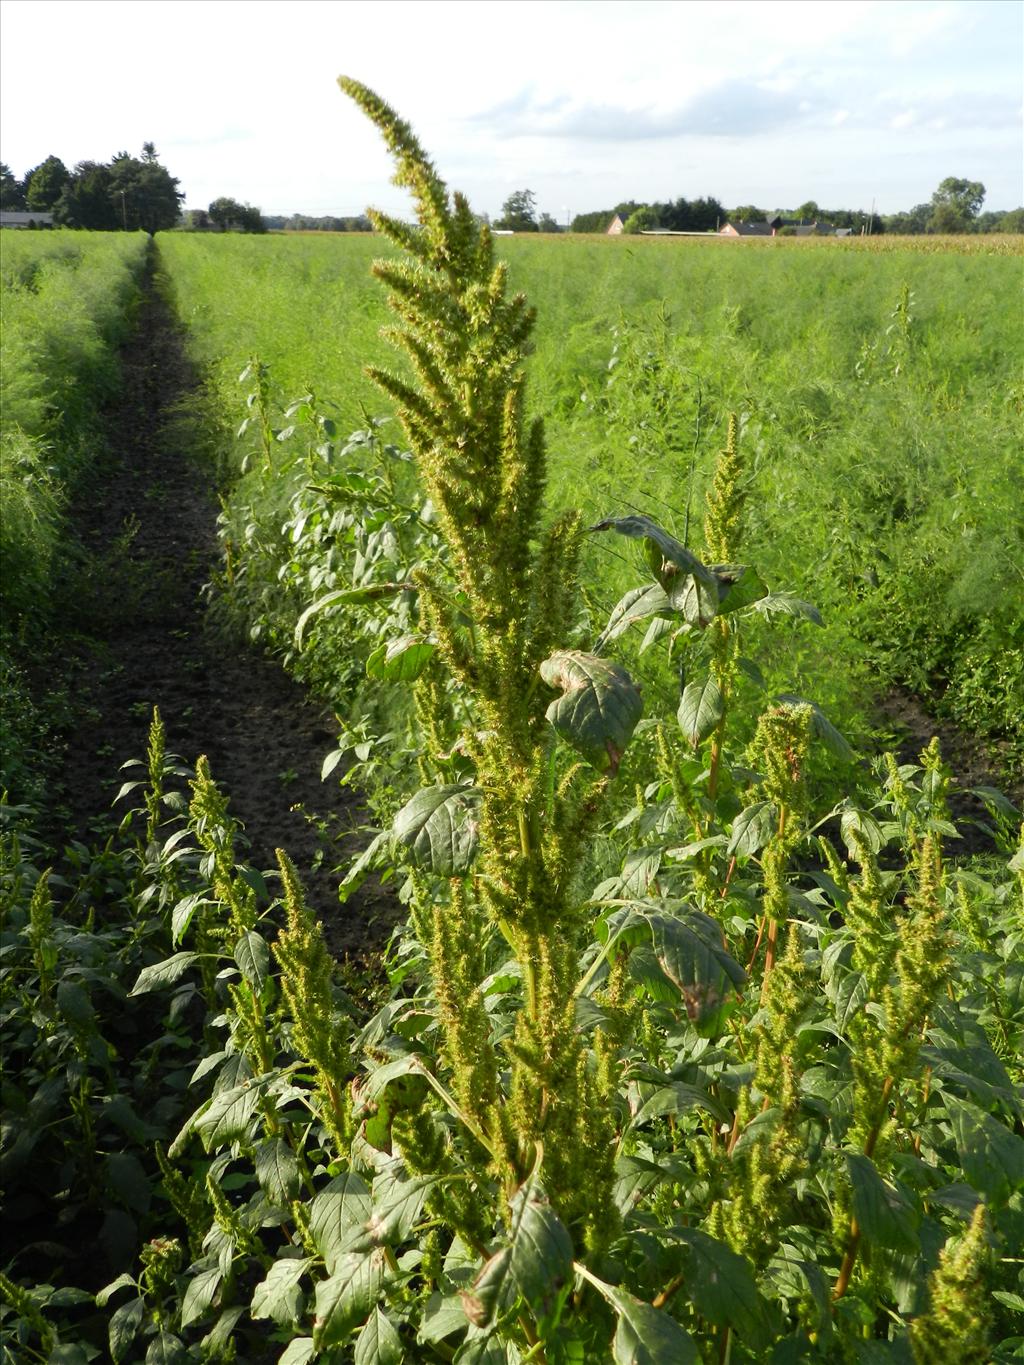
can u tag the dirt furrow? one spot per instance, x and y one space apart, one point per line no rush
146 524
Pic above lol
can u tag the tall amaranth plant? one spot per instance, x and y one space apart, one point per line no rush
497 607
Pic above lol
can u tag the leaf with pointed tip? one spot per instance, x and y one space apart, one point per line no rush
645 1335
378 1342
345 1299
367 593
884 1216
992 1155
637 605
541 1262
752 829
338 1216
277 1170
788 604
739 586
700 709
401 660
397 1203
598 709
163 973
440 829
253 958
278 1295
690 953
691 587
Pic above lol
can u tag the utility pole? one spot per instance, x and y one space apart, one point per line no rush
124 212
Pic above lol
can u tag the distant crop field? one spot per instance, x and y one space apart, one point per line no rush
878 386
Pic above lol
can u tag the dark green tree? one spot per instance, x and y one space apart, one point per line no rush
45 183
547 223
808 212
12 192
145 194
86 202
519 212
231 216
956 204
748 213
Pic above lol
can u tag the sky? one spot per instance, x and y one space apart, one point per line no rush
585 102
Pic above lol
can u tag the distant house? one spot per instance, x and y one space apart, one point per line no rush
761 229
19 218
616 227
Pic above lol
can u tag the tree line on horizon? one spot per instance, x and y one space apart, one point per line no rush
954 207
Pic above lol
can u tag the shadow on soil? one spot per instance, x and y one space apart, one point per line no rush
146 524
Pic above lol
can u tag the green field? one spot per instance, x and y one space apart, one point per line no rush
880 387
699 1039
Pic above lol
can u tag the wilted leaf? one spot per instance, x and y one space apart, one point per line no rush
639 603
690 586
599 707
739 586
788 604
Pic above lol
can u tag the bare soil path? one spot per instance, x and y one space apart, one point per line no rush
147 527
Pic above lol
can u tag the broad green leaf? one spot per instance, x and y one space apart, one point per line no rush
486 1349
700 709
853 821
851 995
163 973
165 1349
397 1204
884 1216
229 1116
366 593
991 1154
721 1285
442 1316
647 1336
739 586
277 1170
788 604
378 1343
440 829
598 709
124 1324
492 1292
299 1351
752 829
690 953
690 586
638 604
677 1098
278 1296
123 1281
541 1262
200 1294
634 1176
401 660
253 958
345 1299
338 1216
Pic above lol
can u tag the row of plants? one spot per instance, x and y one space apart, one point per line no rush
678 1059
68 301
878 391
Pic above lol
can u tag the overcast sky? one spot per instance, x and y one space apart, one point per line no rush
586 102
